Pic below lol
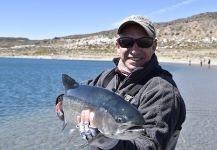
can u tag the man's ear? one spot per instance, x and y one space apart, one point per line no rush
155 45
117 46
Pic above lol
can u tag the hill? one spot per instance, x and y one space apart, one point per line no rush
193 37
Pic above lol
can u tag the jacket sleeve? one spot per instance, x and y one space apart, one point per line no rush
163 110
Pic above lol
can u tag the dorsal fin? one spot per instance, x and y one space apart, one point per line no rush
68 82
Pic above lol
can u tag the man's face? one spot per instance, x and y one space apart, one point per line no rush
135 56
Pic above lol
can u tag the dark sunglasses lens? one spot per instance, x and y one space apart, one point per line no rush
126 42
144 42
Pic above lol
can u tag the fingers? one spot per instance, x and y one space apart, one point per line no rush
78 120
59 111
85 124
92 124
86 116
58 107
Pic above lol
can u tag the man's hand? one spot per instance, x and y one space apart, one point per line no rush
88 131
59 110
85 123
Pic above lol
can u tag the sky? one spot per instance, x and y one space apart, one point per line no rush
46 19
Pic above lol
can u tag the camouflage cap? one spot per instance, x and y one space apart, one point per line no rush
140 20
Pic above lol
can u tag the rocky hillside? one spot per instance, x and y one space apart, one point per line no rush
198 31
195 32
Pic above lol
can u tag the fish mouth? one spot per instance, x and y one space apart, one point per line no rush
130 133
132 129
135 129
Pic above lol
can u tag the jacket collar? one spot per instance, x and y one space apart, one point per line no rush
142 71
148 66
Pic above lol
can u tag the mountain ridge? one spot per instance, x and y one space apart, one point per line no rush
194 33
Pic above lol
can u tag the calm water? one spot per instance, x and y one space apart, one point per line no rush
28 89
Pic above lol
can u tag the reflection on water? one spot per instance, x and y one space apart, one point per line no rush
198 87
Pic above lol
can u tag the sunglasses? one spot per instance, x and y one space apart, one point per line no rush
128 42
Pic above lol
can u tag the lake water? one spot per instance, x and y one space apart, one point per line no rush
28 88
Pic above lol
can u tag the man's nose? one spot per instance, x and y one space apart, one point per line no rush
135 48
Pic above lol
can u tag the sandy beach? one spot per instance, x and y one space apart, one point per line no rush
109 57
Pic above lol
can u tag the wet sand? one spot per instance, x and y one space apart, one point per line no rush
183 60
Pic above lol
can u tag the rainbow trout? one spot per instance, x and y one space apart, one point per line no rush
114 117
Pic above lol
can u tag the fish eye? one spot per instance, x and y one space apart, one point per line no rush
120 119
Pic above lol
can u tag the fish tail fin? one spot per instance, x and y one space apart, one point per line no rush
68 82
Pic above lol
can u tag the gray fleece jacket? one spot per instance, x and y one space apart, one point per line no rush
158 100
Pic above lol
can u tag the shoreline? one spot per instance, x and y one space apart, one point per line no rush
109 58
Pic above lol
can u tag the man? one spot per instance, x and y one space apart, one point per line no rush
139 79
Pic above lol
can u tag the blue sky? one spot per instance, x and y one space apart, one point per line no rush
42 19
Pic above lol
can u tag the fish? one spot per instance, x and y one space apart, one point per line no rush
114 117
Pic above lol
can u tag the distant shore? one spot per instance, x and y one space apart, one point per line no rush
109 58
201 62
